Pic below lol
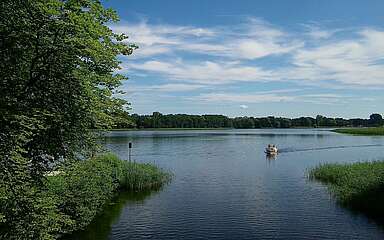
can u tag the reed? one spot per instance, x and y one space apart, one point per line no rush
359 186
143 176
82 189
371 131
134 176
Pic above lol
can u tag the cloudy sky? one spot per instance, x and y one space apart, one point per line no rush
254 58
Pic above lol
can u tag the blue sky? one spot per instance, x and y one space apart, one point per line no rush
254 58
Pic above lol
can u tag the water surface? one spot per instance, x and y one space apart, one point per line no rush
225 187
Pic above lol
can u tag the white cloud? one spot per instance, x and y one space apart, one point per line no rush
251 49
320 34
209 49
250 40
204 72
176 87
256 39
150 51
353 58
159 39
257 27
316 32
277 96
348 62
244 98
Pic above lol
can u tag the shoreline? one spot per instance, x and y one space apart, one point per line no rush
207 129
363 131
83 189
356 186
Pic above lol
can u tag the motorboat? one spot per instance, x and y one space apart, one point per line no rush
271 149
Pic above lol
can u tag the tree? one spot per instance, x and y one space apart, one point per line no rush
375 119
320 120
58 60
285 123
156 118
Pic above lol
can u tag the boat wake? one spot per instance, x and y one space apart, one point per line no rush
288 150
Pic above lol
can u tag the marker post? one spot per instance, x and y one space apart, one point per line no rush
129 151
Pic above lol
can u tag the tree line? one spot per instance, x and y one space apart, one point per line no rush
158 120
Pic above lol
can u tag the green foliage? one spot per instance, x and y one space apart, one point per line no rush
376 120
30 213
58 62
139 177
83 188
122 120
359 185
379 131
158 120
74 196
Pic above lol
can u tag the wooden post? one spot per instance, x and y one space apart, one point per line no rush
129 150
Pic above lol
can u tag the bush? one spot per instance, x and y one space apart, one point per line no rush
73 197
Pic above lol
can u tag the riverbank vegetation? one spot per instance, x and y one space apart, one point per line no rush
158 120
74 195
359 186
58 84
374 131
101 225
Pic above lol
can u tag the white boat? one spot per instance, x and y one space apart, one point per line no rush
271 149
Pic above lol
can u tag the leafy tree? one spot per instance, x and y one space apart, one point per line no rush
330 122
358 122
219 121
156 117
57 82
285 123
320 120
376 119
122 119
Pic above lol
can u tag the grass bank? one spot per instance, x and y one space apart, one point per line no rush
84 187
372 131
359 186
70 199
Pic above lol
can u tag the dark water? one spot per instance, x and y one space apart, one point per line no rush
225 187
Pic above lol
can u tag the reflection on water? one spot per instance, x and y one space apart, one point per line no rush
270 157
225 187
101 227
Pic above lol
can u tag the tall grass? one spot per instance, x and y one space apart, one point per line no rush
134 176
359 186
82 189
372 131
143 176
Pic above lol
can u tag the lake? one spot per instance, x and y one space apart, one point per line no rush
224 186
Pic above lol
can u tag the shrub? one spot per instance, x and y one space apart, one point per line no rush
72 198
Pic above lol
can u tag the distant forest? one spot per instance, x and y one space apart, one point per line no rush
158 120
